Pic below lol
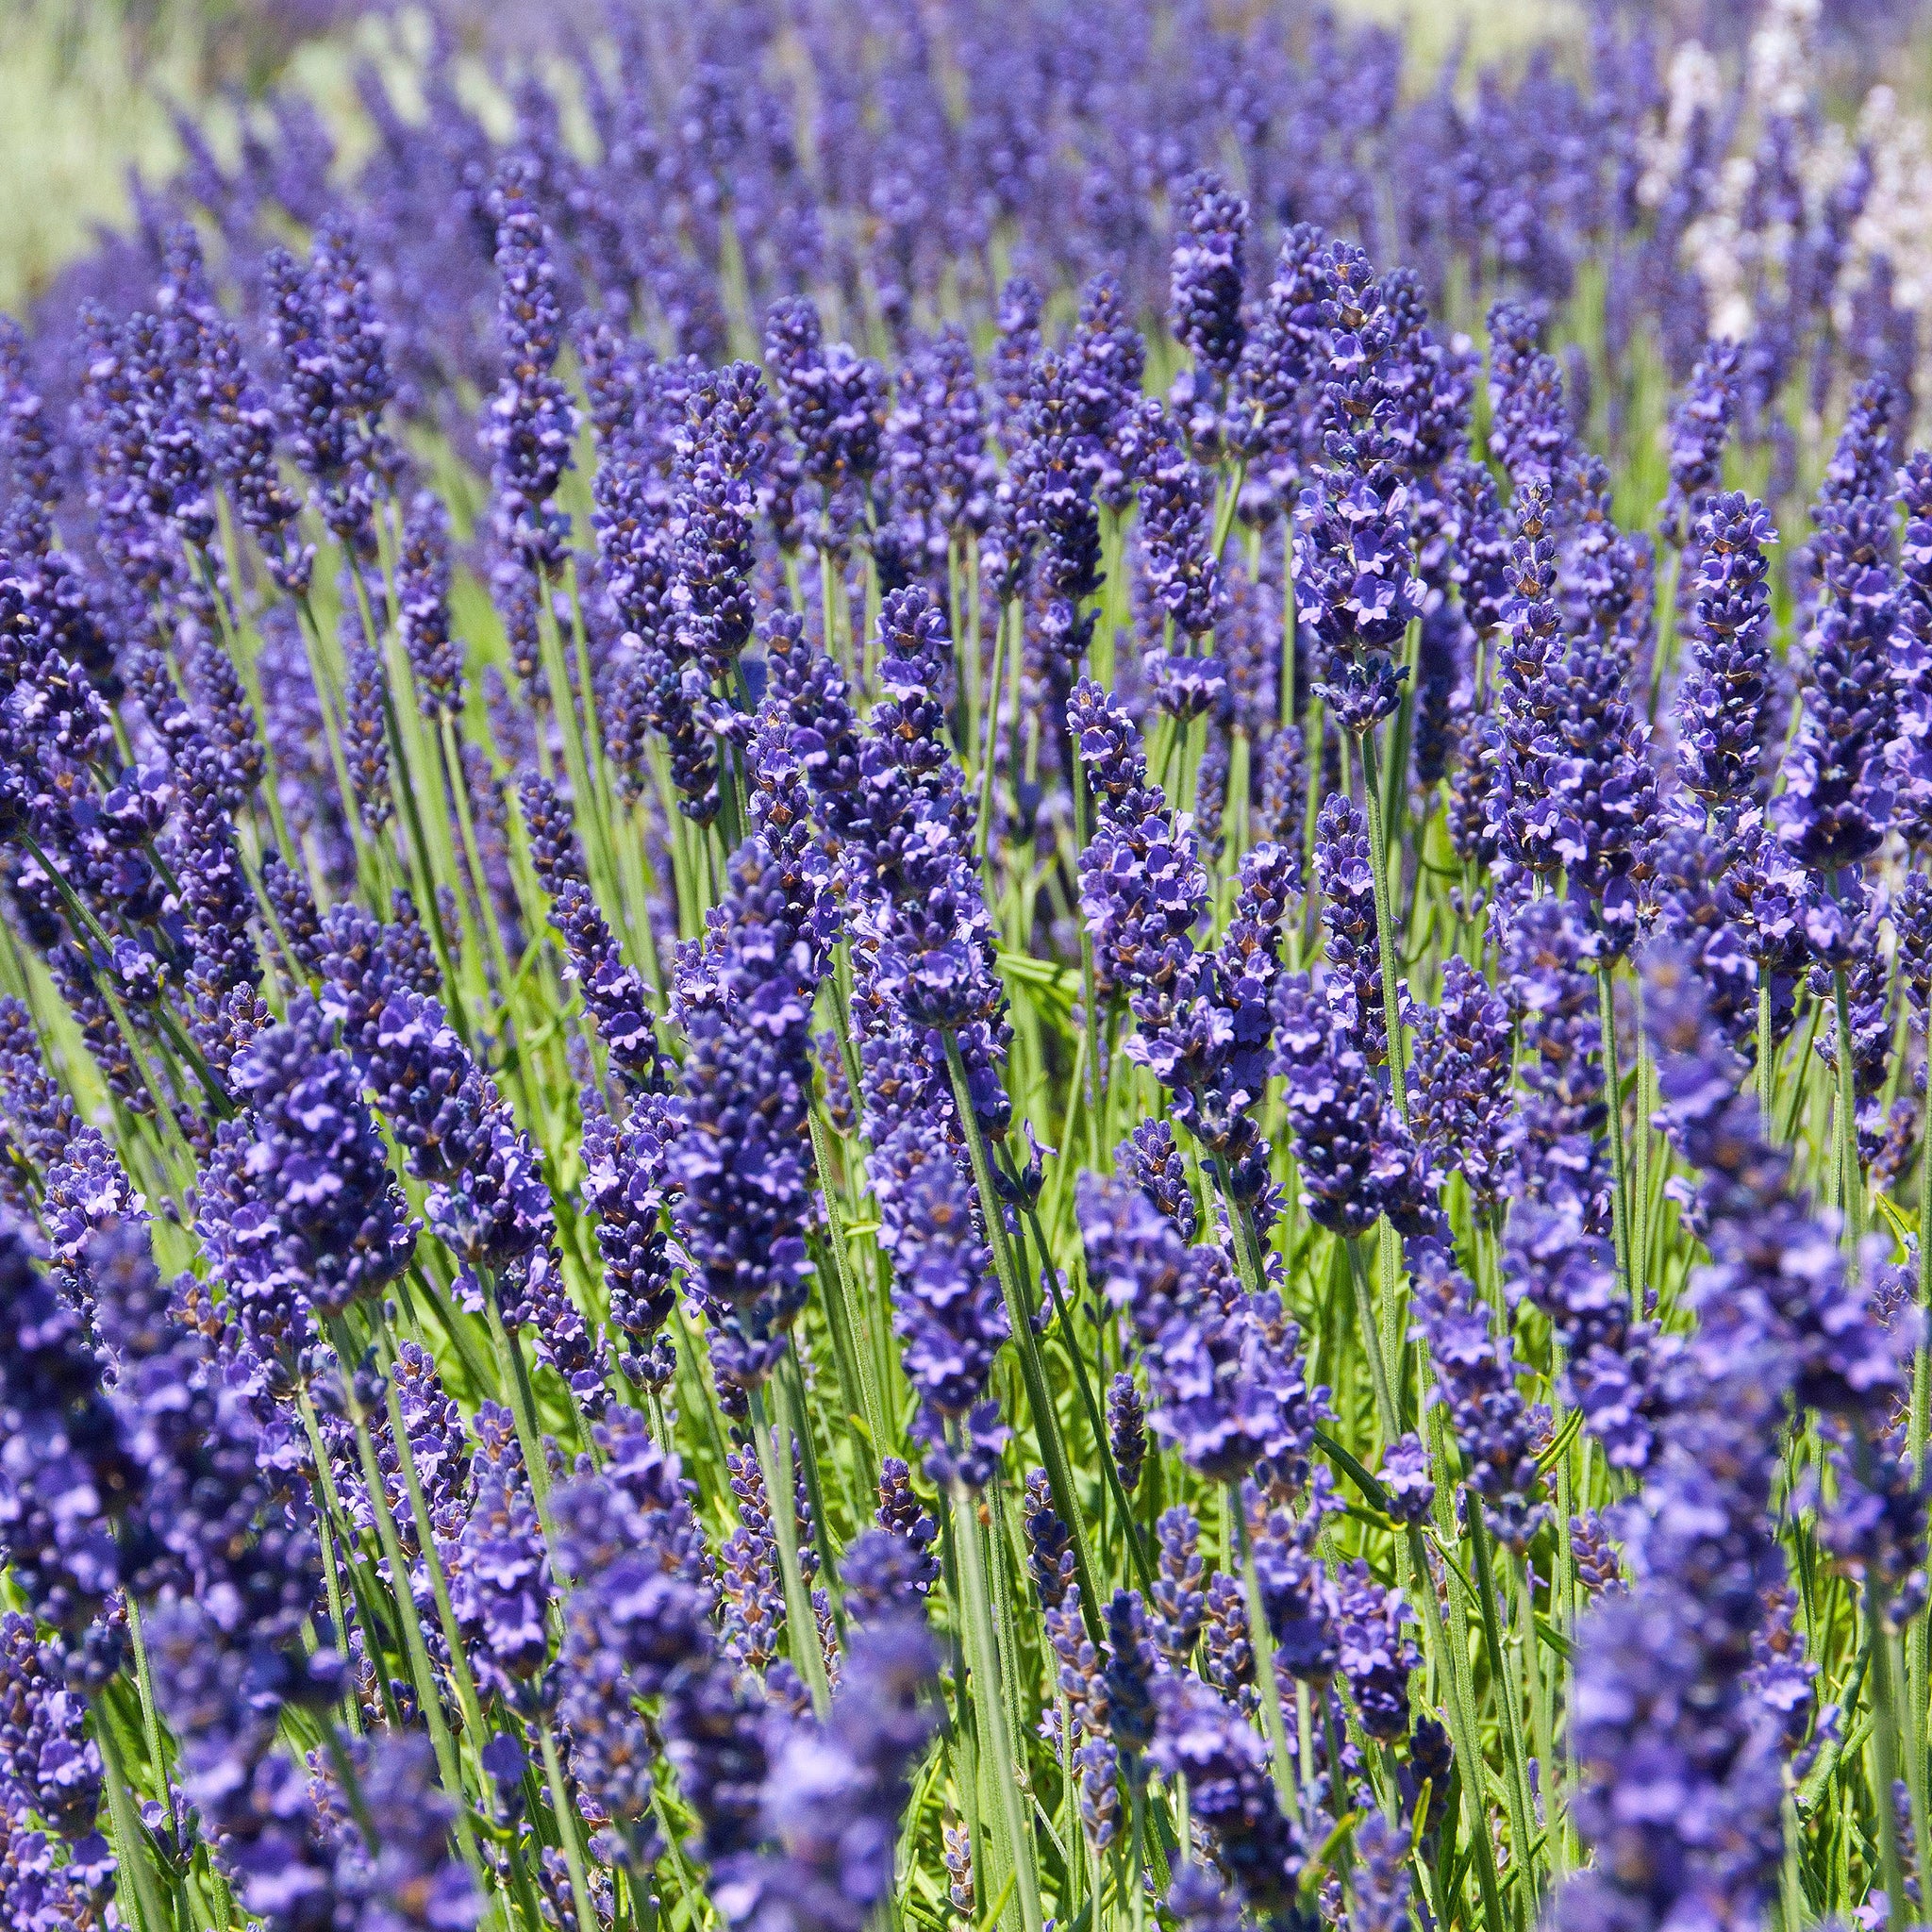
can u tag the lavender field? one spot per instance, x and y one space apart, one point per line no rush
964 966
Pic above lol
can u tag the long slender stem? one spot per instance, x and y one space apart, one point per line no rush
1385 923
1917 1658
989 1706
1613 1109
425 1541
150 1713
428 1695
522 1405
774 1461
1885 1754
1851 1177
1516 1788
1262 1644
567 1830
1372 1343
131 1841
1046 1422
841 1305
1103 1453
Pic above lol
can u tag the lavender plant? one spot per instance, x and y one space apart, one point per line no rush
945 982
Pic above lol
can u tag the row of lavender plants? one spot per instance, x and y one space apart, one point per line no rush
1112 1114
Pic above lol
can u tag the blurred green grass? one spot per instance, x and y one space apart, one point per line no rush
87 94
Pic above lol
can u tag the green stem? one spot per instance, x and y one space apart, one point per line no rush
1385 920
1372 1341
1465 1734
773 1447
1516 1788
567 1829
1261 1642
428 1696
990 1707
1885 1753
1918 1660
989 748
1103 1453
1851 1178
841 1305
332 1575
130 1841
1046 1422
523 1404
150 1714
1613 1109
425 1541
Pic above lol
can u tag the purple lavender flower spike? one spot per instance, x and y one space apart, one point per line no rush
1908 757
1150 1160
1178 568
1354 988
834 1793
1837 801
1459 1104
1728 671
423 579
1375 1656
531 423
716 507
1381 1877
1572 1277
834 401
1126 1429
1546 955
1223 1367
45 1754
412 1881
1334 1111
1406 1483
1205 1739
1700 425
1475 1373
67 1471
310 1220
1049 496
1206 278
739 1154
500 1573
627 1181
949 1312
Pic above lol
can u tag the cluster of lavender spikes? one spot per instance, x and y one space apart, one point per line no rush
840 1089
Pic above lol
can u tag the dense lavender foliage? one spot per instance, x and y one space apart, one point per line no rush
968 966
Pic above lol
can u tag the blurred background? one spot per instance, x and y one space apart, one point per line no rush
91 91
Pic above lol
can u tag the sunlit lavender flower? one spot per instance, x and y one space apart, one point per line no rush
1476 1373
1126 1429
1204 1738
1342 871
1837 799
1206 277
1461 1066
715 508
531 423
1334 1110
67 1470
1727 655
1049 492
1700 426
1908 757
